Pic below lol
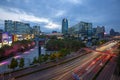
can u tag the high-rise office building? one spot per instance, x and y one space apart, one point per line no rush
81 29
16 27
9 26
100 31
22 28
86 28
36 30
65 26
1 30
114 33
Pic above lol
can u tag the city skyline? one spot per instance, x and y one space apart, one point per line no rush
49 14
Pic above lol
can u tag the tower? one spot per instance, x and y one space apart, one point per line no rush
65 26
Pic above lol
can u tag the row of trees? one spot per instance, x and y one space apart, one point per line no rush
43 58
56 44
23 45
98 42
52 57
14 63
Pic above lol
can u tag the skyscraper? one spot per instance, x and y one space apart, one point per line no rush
16 27
112 32
81 29
100 31
65 26
36 30
9 26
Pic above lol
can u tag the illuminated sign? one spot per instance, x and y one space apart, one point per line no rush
5 38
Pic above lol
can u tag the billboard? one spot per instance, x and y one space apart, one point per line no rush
5 38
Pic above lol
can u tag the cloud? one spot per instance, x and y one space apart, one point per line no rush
73 1
60 13
20 15
51 25
8 0
76 1
26 1
49 13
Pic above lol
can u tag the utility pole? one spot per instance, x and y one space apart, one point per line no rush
39 48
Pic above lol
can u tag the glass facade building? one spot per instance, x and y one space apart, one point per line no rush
65 26
36 30
9 26
82 28
16 27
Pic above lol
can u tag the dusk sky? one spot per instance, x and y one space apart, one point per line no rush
49 13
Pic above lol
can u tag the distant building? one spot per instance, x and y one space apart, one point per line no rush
36 30
57 35
81 29
65 26
100 32
54 31
1 31
113 33
94 31
16 27
9 26
18 30
5 39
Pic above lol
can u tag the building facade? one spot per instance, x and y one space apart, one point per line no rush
16 27
9 26
100 31
81 29
65 26
5 39
36 30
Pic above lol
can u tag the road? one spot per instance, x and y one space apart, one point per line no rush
60 69
64 71
108 71
67 75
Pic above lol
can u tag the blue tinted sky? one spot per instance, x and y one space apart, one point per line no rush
49 13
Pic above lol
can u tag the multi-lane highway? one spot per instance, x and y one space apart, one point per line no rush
64 71
60 69
94 67
88 71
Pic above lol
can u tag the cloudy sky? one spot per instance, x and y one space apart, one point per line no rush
49 13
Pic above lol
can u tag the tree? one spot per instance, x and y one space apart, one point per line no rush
42 36
56 45
64 52
13 64
40 59
35 60
21 65
52 57
45 57
58 55
53 37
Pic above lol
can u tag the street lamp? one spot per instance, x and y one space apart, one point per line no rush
39 48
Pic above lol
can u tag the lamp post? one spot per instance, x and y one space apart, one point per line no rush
39 48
